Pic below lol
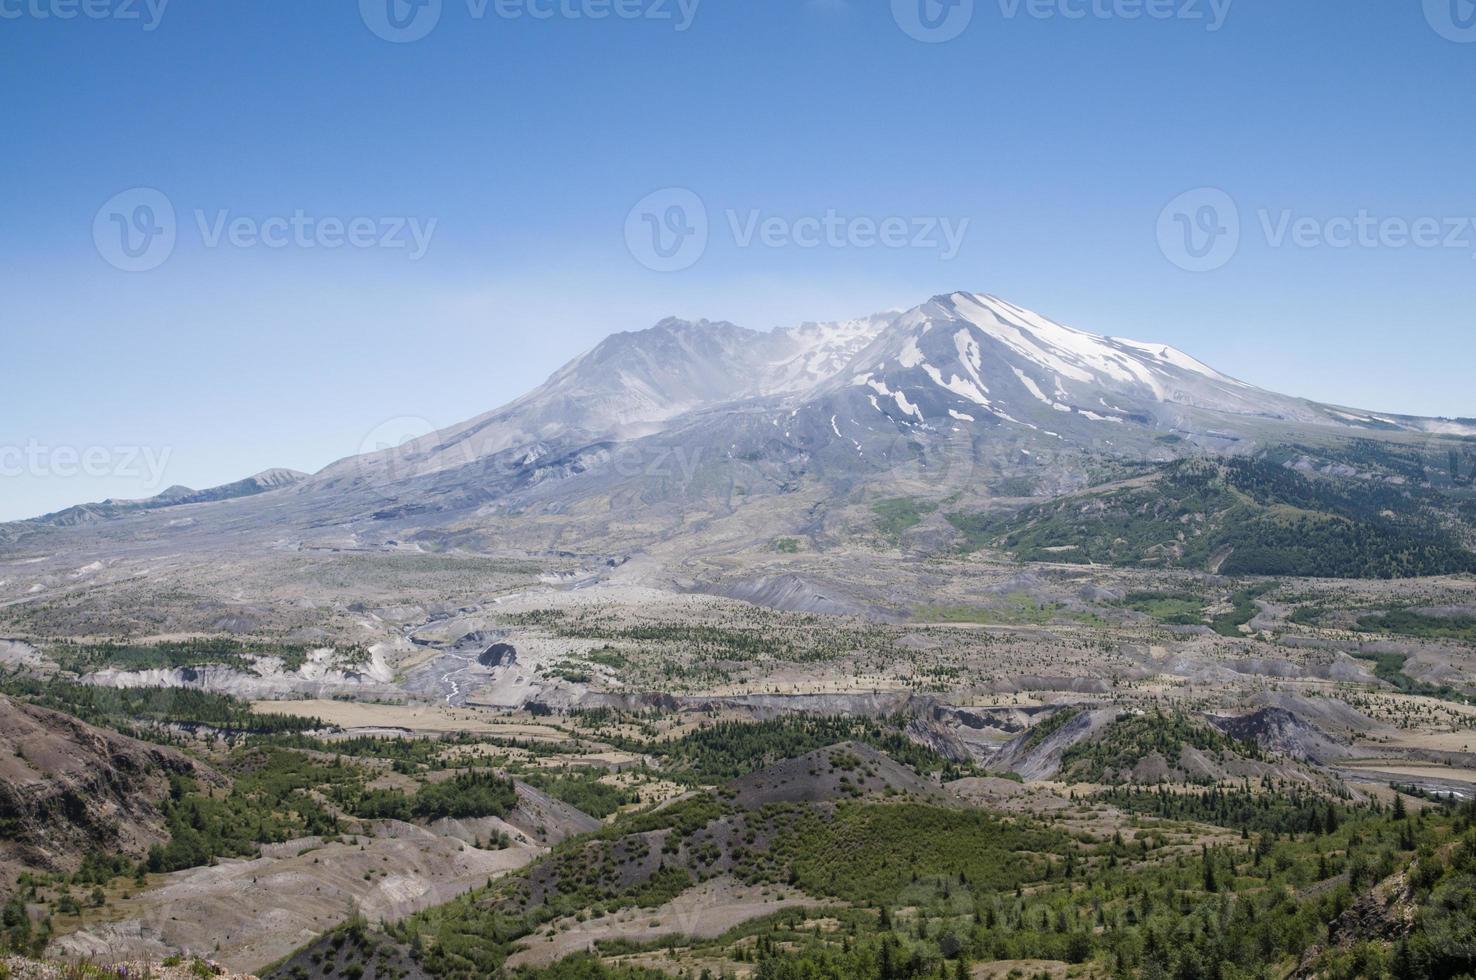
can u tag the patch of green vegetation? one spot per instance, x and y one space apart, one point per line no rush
464 796
978 528
726 750
1307 615
1049 726
932 890
144 712
407 755
1017 609
608 657
581 788
588 966
1243 609
1240 517
787 546
178 654
872 854
568 670
1389 668
1274 814
1116 753
470 937
897 515
1407 622
1169 608
536 617
273 798
684 818
699 653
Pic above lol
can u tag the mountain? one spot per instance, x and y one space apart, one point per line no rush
964 396
631 385
174 496
958 361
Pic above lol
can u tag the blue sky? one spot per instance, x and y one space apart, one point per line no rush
519 146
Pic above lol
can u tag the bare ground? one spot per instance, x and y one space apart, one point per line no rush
703 912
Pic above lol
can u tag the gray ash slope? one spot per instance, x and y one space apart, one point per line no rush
945 397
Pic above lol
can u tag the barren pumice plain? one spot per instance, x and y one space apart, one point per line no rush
856 672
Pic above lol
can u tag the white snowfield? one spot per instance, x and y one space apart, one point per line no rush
1041 354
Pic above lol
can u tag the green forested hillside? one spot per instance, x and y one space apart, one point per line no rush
922 891
1242 516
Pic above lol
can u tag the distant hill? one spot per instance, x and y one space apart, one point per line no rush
175 496
1242 517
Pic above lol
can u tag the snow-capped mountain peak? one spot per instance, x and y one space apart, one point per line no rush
961 362
963 354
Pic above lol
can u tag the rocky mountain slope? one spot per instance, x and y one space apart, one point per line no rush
955 396
68 789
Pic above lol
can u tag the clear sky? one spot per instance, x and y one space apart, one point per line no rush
1058 130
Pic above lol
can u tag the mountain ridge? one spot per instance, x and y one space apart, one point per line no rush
961 392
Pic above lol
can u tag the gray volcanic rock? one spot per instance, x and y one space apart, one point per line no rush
1034 755
69 789
698 417
1279 730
